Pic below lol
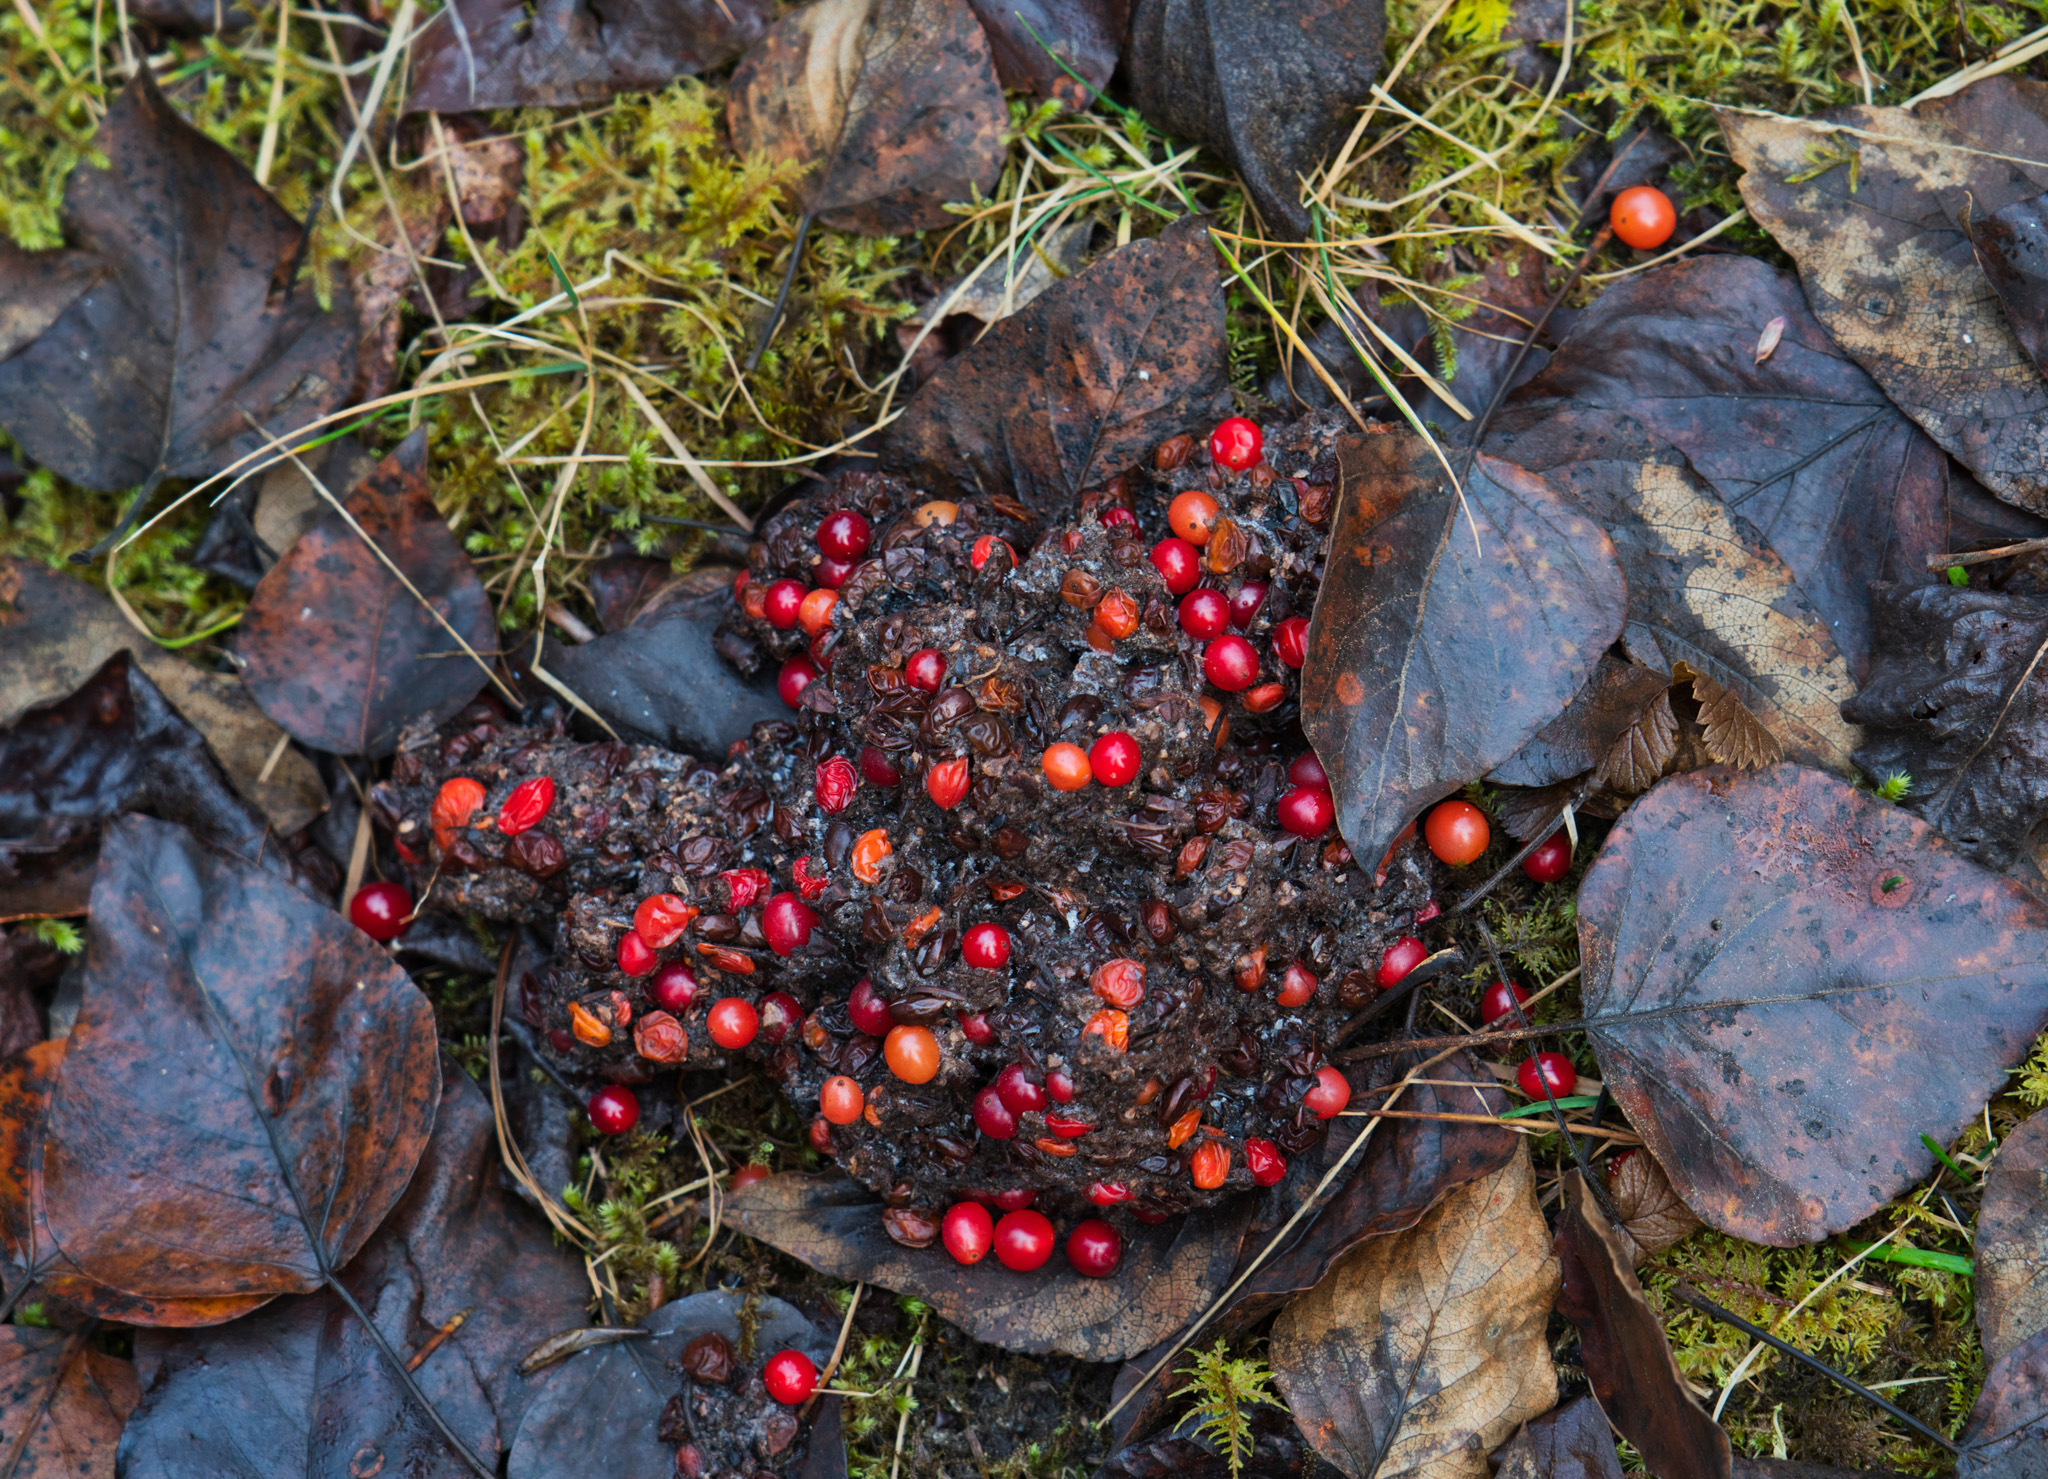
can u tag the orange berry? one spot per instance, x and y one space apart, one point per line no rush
1210 1164
1457 832
1117 615
1112 1026
912 1054
1120 982
1192 515
1212 718
1183 1128
815 614
1265 696
868 852
1643 217
453 804
946 784
1066 767
840 1100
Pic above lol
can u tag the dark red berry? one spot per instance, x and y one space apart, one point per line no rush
1019 1091
1307 811
870 1013
748 1175
1095 1249
1015 1201
1114 759
1552 1068
784 599
1290 641
674 987
381 910
1495 1003
561 1040
1308 771
797 675
925 669
1236 444
1119 518
635 959
843 535
992 1116
1403 956
831 574
787 921
1060 1085
781 1014
974 1027
986 947
1331 1093
1108 1193
790 1376
1204 614
1179 563
1552 860
967 1231
877 769
1231 663
1024 1241
614 1110
1263 1159
1245 602
834 785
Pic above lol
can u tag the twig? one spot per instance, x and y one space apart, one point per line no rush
1520 1127
838 1351
1984 556
439 1338
796 256
903 1418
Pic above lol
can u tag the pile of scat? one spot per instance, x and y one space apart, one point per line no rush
1035 899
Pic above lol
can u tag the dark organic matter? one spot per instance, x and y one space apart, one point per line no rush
1571 1442
337 649
661 680
1788 982
1086 35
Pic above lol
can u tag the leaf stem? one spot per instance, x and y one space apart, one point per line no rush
796 257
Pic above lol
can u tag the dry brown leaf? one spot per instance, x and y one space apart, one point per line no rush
1423 1351
1611 703
2012 1242
1635 761
1652 1216
1574 1442
1734 735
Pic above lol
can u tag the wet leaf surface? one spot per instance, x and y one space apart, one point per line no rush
246 1063
1421 1352
895 103
1571 1442
1169 1273
1087 35
1408 692
1702 586
560 53
62 1403
1624 1351
337 650
1618 698
1956 700
300 1387
1083 382
2012 1242
2012 251
1278 1451
1888 269
1652 1216
2007 1435
1804 445
1779 1025
1271 88
661 681
189 331
610 1399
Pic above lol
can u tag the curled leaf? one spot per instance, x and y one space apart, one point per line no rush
1613 709
1734 736
1652 1216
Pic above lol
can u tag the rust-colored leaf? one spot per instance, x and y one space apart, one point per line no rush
190 347
1083 382
894 102
244 1062
1733 735
1421 1352
2012 1242
1872 218
1448 630
1788 982
1572 1442
62 1404
1633 762
1625 1352
337 650
1615 708
1652 1216
1169 1272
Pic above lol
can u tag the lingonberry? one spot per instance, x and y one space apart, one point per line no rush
783 600
1552 1068
790 1377
635 959
844 535
381 910
1179 563
743 886
659 1038
820 1134
946 783
967 1231
454 804
868 1009
1066 767
733 1022
1192 515
1245 602
992 1116
1118 517
877 769
1120 982
1457 832
840 1100
674 987
1066 1128
1263 1159
986 947
925 669
1643 217
1403 956
985 549
748 1175
1060 1084
1307 811
834 783
614 1109
1019 1091
1290 641
781 1014
1209 1166
1108 1193
1331 1093
1306 770
787 921
1231 663
661 919
1116 615
1236 444
1016 1200
1298 986
1023 1241
815 614
529 802
975 1028
1204 614
1265 696
797 674
1552 860
1095 1249
1114 759
1498 1000
912 1054
831 574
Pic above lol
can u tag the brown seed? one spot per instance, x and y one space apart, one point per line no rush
1356 989
913 1227
709 1359
1174 452
536 854
1191 854
1228 545
1080 590
1314 499
1262 477
1160 922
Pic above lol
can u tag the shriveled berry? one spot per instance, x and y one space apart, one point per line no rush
1498 1000
743 886
1118 517
967 1231
1066 1127
790 1377
820 1134
454 804
1290 641
381 910
877 769
1023 1241
1331 1093
1209 1166
659 1038
783 600
974 1026
844 534
781 1014
840 1100
1236 444
986 947
1094 1248
1020 1092
1552 1068
529 802
1403 956
797 674
588 1026
1245 602
1457 832
661 919
1179 564
733 1022
1298 986
815 614
1192 515
1306 770
1120 982
868 1009
869 849
925 669
1552 860
985 550
912 1054
1204 614
674 987
812 878
1266 697
1307 811
1114 759
1066 767
1263 1159
992 1116
635 959
1116 615
1231 663
1112 1026
614 1109
946 783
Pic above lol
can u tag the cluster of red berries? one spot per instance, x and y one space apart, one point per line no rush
1022 1240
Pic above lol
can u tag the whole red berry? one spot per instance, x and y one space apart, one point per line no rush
1114 759
1457 832
614 1110
1236 444
1060 1085
1306 770
820 1135
835 784
925 669
967 1231
1231 663
1552 860
561 1040
784 599
1179 563
674 987
748 1175
797 674
1095 1249
992 1116
831 574
1108 1193
787 921
986 947
1307 811
1552 1068
843 535
381 910
635 959
781 1014
946 783
1263 1159
529 802
1015 1201
868 1009
877 769
790 1377
1023 1241
1019 1091
1290 641
1498 1000
1331 1093
733 1022
1298 986
1204 614
1403 956
974 1027
1245 602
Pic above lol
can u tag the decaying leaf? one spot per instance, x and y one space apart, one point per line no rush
1169 1273
1081 384
1027 35
894 101
62 1403
2012 1242
1788 982
1702 587
244 1062
337 649
1448 629
1278 1451
1572 1442
1652 1216
1734 736
190 347
1271 88
1422 1351
1633 762
2007 1435
1873 218
560 53
1616 707
1624 1350
1958 699
2012 250
661 680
